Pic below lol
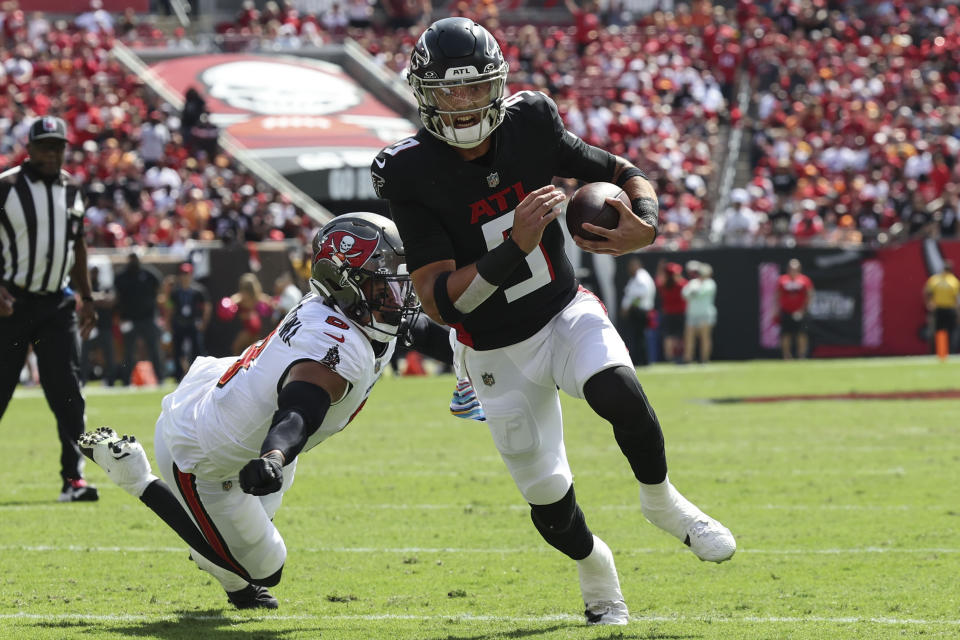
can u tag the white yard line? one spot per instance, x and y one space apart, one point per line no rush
360 506
490 550
476 618
89 392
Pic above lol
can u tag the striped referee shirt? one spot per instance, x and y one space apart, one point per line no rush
40 221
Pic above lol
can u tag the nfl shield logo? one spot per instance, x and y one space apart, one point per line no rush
227 485
488 379
49 124
493 179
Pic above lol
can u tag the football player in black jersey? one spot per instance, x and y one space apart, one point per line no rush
472 196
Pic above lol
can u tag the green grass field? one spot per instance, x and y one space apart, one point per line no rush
406 525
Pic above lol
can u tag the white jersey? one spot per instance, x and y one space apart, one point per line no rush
217 418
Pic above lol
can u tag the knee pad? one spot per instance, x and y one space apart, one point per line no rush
615 394
270 581
563 526
547 488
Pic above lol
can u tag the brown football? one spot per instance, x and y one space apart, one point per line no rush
588 204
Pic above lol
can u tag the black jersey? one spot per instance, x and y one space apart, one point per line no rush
449 209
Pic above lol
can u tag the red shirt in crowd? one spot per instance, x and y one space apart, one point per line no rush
793 292
671 296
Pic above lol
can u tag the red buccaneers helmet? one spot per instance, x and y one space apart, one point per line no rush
360 267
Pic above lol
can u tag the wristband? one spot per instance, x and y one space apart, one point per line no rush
629 172
498 264
647 210
441 297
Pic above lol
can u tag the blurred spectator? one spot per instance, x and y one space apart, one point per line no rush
286 294
193 107
202 138
670 283
102 335
154 137
587 23
700 292
334 19
794 295
635 306
739 224
254 309
806 224
95 19
191 315
136 293
360 13
403 14
942 296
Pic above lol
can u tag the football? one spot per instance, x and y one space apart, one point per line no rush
588 204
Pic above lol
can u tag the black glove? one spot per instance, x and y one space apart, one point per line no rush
263 475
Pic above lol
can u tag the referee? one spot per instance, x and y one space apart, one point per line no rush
41 244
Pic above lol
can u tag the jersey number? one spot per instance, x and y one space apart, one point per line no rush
245 360
541 273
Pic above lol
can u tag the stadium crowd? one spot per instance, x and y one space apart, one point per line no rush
152 175
855 129
852 132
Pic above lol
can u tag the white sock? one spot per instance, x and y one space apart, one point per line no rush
228 580
598 574
137 490
657 496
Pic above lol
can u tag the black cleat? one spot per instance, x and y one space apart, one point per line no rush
252 597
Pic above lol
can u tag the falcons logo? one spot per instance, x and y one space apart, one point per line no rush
343 248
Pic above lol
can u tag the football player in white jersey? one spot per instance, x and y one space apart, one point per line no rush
228 438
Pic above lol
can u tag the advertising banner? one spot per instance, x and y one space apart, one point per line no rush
306 118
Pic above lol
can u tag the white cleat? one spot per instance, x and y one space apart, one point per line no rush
600 587
707 538
612 613
123 458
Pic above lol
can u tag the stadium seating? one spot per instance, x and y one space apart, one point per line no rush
147 181
853 108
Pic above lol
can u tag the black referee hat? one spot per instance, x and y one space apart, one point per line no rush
48 127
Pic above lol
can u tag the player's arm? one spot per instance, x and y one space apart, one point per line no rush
448 294
80 280
302 404
638 223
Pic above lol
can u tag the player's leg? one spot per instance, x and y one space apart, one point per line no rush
14 342
597 367
236 526
126 463
57 345
523 414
